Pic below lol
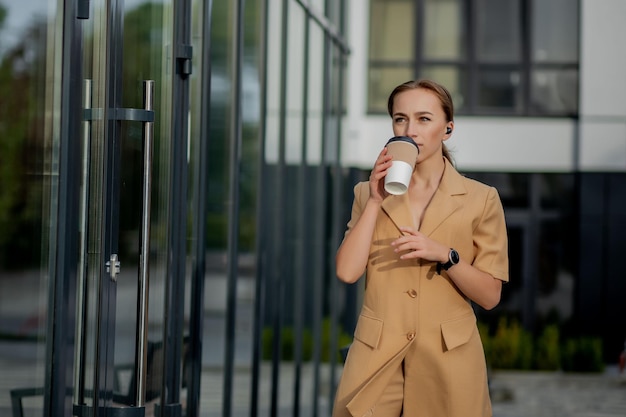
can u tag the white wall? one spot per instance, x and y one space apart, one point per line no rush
517 144
479 143
603 85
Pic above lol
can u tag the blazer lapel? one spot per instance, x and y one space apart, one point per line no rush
398 210
443 203
440 208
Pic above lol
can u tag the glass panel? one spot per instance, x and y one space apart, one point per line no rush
273 74
146 46
557 191
554 92
443 29
498 31
555 31
453 78
143 47
513 188
556 269
334 13
28 191
382 81
317 5
92 195
336 97
392 33
499 89
295 89
316 96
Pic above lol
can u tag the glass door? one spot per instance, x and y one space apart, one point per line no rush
129 267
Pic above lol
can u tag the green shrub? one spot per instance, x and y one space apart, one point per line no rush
511 347
583 354
288 343
547 349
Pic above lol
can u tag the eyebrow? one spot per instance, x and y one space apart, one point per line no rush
418 113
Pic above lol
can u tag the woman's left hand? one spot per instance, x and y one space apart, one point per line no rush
413 244
479 286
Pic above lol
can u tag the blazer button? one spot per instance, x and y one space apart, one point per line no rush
410 335
412 293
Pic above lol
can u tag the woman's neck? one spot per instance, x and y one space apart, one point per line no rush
427 174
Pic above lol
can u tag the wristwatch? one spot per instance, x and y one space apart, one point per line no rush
453 259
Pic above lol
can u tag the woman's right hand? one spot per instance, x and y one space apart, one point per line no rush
377 176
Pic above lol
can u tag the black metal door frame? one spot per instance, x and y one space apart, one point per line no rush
64 254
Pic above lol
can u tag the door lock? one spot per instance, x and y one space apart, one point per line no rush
113 267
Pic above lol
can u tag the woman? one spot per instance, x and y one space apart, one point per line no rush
427 255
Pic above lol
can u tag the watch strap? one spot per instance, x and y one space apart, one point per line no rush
447 265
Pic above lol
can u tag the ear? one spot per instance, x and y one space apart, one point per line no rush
448 131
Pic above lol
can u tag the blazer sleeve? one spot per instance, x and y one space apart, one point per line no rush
361 194
490 239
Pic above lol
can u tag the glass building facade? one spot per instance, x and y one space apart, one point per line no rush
170 200
498 57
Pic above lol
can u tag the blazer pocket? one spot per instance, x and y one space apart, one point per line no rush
458 331
368 330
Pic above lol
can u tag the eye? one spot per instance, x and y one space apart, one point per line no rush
399 119
425 119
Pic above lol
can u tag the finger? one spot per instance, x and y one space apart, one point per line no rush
409 255
383 156
404 244
408 230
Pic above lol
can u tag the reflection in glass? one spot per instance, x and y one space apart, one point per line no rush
555 286
294 78
315 105
555 31
512 188
499 89
554 91
443 29
29 170
453 78
557 191
381 82
498 31
392 30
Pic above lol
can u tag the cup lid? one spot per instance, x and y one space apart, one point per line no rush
403 139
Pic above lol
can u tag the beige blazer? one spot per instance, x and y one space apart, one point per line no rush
407 304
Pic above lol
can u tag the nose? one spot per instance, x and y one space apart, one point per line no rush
411 129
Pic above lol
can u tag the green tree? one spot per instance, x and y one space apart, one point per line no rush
21 145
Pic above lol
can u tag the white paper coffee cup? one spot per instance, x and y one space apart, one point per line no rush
404 151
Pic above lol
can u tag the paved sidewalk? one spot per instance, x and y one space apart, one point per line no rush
514 394
556 394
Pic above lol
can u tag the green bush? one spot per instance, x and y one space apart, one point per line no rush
511 347
288 343
547 349
583 354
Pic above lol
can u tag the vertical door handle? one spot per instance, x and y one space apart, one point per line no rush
83 290
144 258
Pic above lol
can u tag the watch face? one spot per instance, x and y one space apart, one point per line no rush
454 257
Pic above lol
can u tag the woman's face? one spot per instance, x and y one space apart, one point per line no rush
419 115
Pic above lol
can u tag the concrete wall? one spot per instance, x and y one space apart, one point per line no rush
603 85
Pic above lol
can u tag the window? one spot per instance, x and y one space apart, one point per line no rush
497 57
